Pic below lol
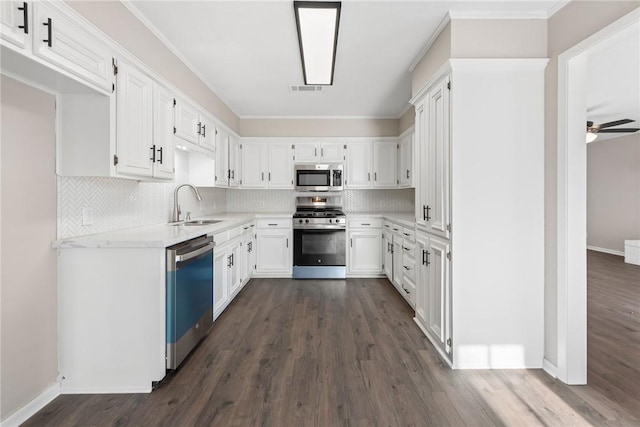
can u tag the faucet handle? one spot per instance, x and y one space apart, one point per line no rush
188 218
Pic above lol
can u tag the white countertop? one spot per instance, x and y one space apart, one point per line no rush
403 218
162 235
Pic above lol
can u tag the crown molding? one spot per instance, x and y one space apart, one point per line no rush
556 7
320 117
443 23
156 32
486 14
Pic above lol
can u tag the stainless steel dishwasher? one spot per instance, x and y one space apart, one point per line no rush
189 296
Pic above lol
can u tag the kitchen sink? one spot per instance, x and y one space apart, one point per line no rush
199 222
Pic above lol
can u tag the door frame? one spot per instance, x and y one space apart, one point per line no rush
572 203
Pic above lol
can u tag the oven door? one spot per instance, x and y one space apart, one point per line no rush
319 248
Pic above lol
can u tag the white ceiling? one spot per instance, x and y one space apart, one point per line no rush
247 51
613 81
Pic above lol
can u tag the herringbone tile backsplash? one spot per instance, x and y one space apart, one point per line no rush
120 203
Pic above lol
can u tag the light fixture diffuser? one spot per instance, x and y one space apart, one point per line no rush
591 136
317 24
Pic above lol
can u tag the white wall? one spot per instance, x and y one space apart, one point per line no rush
613 192
29 338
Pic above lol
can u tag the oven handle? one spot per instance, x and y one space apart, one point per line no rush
197 252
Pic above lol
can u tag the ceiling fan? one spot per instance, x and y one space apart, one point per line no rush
593 129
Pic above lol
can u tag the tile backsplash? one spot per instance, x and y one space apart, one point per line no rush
121 203
352 200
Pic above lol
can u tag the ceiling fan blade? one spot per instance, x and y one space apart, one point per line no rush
616 123
622 130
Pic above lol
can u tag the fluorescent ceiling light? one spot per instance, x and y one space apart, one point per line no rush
591 137
317 24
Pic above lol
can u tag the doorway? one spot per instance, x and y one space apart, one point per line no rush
571 210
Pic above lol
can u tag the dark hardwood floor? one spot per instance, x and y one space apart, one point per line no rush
338 353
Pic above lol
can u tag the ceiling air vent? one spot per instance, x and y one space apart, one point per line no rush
304 88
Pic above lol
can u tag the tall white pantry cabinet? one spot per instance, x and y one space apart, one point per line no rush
480 212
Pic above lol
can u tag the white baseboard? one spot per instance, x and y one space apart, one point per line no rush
28 410
550 368
605 250
105 390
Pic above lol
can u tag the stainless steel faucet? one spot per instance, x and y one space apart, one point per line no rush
176 206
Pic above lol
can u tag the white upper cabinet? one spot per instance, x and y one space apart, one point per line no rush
358 166
384 164
208 132
439 145
332 152
134 122
187 121
306 152
196 126
319 152
405 160
280 173
60 40
15 23
144 131
234 158
254 164
223 173
163 143
422 174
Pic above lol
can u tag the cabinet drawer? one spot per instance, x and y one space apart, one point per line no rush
274 223
409 268
409 234
365 223
408 249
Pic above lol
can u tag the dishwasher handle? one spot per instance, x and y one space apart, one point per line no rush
193 254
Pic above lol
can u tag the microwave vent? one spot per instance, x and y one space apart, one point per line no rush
305 88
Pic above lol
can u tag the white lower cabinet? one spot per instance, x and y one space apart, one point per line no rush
364 247
433 302
232 268
274 247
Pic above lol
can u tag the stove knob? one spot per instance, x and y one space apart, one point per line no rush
307 221
330 221
337 220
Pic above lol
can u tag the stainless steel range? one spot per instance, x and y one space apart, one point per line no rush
319 238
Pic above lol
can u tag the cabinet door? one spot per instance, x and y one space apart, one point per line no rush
235 272
274 252
387 244
209 131
221 276
62 42
405 161
235 160
384 164
439 159
422 280
163 166
134 130
331 152
358 167
421 175
254 164
222 162
438 291
253 254
306 152
397 262
14 22
280 173
187 121
365 252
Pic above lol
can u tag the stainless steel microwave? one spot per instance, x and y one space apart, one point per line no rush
321 177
